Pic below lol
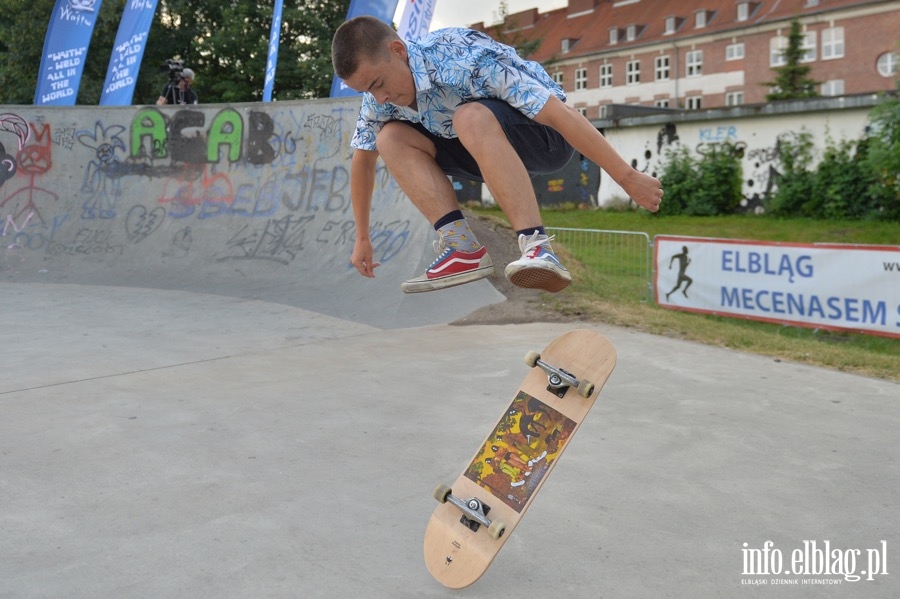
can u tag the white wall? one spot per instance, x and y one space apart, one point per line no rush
644 141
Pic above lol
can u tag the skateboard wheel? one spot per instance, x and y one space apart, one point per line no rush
585 388
442 492
531 358
496 529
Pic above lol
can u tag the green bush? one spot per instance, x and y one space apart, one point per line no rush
855 179
718 186
844 185
705 186
883 157
678 180
794 192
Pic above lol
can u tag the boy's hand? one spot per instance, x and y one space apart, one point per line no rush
362 258
646 191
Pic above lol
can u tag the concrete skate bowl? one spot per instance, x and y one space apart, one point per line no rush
249 201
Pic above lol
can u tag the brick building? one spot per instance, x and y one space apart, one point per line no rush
697 54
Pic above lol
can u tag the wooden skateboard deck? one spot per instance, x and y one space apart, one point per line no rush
479 511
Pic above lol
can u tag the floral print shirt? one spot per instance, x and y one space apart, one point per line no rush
451 67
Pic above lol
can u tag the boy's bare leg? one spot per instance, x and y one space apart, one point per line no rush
410 158
508 180
502 169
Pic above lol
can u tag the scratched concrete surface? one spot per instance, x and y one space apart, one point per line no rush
161 443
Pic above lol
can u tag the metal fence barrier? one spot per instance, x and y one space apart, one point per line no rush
621 258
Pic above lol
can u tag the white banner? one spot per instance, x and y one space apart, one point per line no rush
828 286
416 18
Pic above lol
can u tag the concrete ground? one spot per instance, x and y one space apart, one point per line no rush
166 444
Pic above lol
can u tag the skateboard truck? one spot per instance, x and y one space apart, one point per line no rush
559 380
474 512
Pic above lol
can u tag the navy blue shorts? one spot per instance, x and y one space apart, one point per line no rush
542 149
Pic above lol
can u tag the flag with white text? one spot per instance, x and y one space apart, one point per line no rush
65 50
416 18
125 60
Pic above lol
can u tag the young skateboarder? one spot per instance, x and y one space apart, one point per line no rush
455 102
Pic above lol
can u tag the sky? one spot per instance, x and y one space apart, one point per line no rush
460 13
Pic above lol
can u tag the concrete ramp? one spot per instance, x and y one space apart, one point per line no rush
249 201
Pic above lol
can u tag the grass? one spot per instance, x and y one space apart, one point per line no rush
614 300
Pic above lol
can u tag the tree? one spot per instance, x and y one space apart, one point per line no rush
228 46
224 42
792 80
22 29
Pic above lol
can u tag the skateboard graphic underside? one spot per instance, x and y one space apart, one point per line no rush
486 502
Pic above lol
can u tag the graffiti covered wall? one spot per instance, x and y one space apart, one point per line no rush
754 133
244 200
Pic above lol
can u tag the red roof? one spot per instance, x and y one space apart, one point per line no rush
587 23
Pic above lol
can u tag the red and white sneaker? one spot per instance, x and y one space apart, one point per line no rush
538 268
452 267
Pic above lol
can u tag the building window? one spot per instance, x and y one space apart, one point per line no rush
887 64
671 25
833 43
661 103
777 46
558 78
743 11
603 111
734 98
661 68
583 111
835 87
580 78
700 19
808 46
633 72
564 46
694 60
613 36
606 75
632 32
693 102
734 51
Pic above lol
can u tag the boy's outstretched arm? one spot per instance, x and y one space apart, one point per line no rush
645 190
362 184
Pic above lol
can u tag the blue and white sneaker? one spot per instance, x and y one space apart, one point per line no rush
452 267
538 268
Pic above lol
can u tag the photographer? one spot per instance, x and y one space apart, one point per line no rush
178 90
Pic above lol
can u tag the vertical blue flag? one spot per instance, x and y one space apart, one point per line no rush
125 60
380 9
65 50
272 62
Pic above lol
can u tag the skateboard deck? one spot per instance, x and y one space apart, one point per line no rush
480 510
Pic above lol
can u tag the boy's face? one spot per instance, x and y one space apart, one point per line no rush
390 80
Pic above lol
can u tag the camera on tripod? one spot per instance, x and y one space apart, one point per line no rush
175 69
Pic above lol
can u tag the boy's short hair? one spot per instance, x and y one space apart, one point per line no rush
360 36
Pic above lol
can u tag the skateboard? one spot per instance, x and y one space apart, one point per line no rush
478 513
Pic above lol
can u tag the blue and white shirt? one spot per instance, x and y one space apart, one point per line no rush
451 67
